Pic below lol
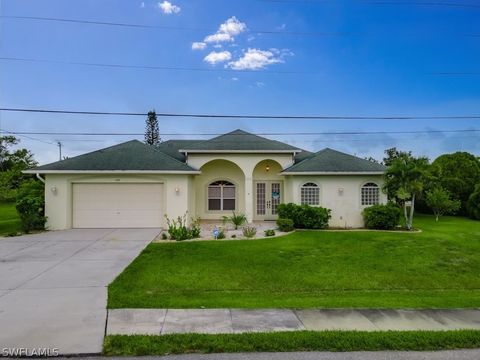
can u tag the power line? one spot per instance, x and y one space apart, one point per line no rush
367 2
166 27
257 133
248 116
152 67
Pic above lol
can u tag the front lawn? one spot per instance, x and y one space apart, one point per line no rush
9 220
437 268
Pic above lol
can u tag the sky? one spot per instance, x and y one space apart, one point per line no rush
271 57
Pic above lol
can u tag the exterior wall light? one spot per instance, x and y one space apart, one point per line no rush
340 191
177 190
54 190
267 168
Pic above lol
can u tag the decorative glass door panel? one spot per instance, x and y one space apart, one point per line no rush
268 196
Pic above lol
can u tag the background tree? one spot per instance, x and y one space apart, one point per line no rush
392 154
404 181
152 133
458 173
439 201
12 163
473 204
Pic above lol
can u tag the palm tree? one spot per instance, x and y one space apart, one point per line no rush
405 179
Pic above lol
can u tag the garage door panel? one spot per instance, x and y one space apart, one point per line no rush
117 205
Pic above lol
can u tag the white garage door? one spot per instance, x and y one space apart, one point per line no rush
117 205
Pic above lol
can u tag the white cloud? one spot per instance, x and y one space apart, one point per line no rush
198 46
232 27
142 4
217 57
217 46
218 37
168 8
227 31
255 59
234 78
259 84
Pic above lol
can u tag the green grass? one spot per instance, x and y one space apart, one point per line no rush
437 268
9 220
138 345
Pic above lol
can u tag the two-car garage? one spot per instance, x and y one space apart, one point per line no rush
117 205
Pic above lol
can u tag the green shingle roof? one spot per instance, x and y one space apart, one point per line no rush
329 160
131 155
239 140
172 147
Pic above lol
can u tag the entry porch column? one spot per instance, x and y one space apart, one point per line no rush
249 198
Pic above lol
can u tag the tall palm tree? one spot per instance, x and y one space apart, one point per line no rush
405 179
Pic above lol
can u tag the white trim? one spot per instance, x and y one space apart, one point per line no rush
195 172
296 151
332 173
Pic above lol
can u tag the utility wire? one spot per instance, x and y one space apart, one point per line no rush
367 2
152 67
247 116
257 133
194 69
166 27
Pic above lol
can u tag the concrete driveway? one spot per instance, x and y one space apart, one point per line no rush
53 286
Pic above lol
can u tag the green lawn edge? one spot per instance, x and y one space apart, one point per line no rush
139 345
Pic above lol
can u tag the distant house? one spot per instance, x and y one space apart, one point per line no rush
134 185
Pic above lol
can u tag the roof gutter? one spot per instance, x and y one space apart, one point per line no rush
106 172
240 151
332 173
40 178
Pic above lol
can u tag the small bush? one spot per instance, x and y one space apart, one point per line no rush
233 236
285 225
164 236
178 229
269 232
305 216
221 234
249 231
382 217
473 204
236 220
30 206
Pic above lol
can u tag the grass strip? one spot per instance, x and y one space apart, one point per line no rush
138 345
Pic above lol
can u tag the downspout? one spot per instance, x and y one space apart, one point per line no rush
40 178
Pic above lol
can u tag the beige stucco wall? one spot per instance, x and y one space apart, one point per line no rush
346 206
214 171
58 208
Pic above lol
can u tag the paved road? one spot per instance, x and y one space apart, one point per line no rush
378 355
53 286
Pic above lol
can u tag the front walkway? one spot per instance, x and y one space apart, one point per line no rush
216 321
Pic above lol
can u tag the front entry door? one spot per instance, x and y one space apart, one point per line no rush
268 195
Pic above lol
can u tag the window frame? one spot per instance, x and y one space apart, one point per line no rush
222 184
369 185
310 185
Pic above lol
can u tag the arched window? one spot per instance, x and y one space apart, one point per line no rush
370 194
221 196
310 194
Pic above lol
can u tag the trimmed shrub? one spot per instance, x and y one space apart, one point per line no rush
382 217
285 225
473 204
30 205
269 232
305 216
249 231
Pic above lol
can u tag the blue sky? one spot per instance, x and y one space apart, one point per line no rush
380 63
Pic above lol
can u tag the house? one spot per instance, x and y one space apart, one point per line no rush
135 185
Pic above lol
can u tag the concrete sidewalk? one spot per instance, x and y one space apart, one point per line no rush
218 321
